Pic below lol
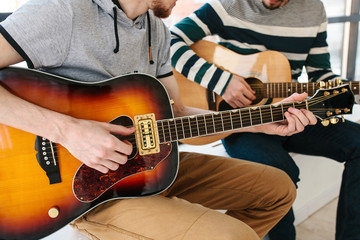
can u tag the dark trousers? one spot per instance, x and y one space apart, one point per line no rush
340 142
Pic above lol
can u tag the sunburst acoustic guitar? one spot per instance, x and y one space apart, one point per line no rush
43 187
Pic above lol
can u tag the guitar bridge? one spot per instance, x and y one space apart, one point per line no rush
146 131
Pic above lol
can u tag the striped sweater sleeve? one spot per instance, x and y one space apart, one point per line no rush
317 64
184 60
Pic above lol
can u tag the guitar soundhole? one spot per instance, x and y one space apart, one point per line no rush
258 86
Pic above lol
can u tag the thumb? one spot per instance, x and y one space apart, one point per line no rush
119 129
296 97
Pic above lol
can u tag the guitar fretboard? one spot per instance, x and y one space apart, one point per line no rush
283 90
211 123
355 87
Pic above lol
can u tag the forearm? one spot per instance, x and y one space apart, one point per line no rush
188 62
18 113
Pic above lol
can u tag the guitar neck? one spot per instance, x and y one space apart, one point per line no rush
211 123
355 87
283 90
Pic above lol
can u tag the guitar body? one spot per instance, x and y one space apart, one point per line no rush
257 69
30 206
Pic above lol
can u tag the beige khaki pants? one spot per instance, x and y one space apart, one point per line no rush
255 196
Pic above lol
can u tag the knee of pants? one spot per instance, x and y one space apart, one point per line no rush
216 225
161 218
282 187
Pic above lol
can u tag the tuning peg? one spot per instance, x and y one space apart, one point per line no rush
342 118
330 84
338 81
321 85
325 122
346 110
334 120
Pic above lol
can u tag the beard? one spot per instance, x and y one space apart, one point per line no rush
160 10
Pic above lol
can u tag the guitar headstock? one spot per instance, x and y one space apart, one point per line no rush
331 102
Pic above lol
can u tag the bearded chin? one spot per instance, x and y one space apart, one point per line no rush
161 12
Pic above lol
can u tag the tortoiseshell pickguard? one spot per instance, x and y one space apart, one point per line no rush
89 183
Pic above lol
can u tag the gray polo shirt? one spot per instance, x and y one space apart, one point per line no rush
76 39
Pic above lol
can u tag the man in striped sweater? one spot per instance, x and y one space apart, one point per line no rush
296 28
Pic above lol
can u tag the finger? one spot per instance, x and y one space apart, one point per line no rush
299 116
98 167
232 104
113 164
244 101
123 147
310 116
118 129
247 85
296 97
290 123
239 103
249 95
118 157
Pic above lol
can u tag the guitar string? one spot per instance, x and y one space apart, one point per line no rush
277 112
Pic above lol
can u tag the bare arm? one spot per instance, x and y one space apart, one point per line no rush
8 55
102 153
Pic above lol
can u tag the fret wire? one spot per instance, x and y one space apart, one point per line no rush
307 85
222 121
169 131
250 117
182 124
206 131
190 127
261 118
287 89
240 118
212 115
176 131
197 124
209 123
232 125
162 123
